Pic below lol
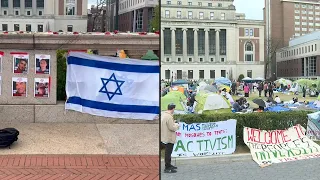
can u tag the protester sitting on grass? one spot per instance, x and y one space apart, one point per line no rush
278 100
236 106
295 100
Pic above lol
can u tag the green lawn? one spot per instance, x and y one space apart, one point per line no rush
283 97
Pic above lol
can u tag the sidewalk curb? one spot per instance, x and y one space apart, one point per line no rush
221 158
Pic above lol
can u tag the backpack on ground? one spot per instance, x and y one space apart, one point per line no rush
8 136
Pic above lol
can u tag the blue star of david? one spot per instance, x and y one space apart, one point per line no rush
104 89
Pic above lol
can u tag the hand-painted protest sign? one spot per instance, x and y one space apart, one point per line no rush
205 139
277 146
313 128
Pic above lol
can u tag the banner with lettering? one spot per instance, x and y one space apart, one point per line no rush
205 139
313 128
277 146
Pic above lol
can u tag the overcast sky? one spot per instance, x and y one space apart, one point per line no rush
252 8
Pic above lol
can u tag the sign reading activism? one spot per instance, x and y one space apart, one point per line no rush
205 139
277 146
313 128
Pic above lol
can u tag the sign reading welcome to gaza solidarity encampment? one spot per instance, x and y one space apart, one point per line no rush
277 146
205 139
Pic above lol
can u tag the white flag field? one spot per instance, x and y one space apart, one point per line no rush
112 87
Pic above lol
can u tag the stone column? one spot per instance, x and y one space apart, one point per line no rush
217 45
162 44
173 44
305 67
185 52
10 3
196 44
22 7
34 7
206 44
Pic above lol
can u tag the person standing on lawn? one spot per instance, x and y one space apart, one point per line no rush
168 136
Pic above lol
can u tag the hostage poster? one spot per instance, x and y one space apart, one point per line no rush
277 146
205 139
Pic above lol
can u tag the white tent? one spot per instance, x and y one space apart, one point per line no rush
259 79
215 101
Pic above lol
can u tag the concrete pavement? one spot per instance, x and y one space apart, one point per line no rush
84 138
241 167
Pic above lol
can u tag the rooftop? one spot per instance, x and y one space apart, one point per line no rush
305 38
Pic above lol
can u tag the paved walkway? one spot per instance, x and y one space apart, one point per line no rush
76 167
242 168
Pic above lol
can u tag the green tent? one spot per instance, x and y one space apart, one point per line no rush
150 56
305 82
175 97
212 102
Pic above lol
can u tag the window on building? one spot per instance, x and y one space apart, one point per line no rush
16 27
210 4
179 2
308 48
167 59
40 28
296 5
297 17
168 2
40 13
201 74
246 32
167 14
223 16
28 27
311 12
179 59
28 3
317 7
315 47
4 3
70 28
304 17
297 29
211 15
310 7
190 74
179 41
251 32
4 27
200 3
40 3
303 6
312 48
304 12
16 3
219 5
212 74
5 13
167 74
70 10
179 14
211 59
248 51
16 13
200 15
190 59
190 16
201 42
310 18
28 13
179 74
222 59
223 73
249 73
297 11
167 41
190 3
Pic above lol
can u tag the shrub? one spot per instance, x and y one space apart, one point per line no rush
265 121
61 75
241 76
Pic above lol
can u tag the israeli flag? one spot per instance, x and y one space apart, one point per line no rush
112 87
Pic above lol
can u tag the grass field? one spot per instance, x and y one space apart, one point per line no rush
283 97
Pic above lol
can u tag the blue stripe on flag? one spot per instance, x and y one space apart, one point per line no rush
113 66
114 107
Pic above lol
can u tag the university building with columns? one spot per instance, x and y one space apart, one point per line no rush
207 39
43 15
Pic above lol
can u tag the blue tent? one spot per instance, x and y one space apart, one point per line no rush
223 80
180 81
277 109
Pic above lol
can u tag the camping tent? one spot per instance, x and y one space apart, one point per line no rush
223 80
211 101
285 82
175 97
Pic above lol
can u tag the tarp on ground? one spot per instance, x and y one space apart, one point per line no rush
175 97
223 80
211 101
277 109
